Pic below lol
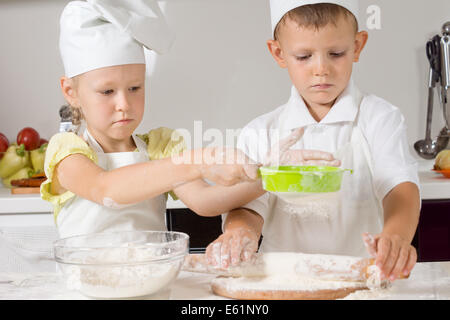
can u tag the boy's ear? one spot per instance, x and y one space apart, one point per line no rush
68 90
360 42
276 52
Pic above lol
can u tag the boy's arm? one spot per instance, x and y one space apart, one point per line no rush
394 253
239 242
209 201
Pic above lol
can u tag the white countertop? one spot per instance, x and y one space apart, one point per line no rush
428 281
32 203
433 186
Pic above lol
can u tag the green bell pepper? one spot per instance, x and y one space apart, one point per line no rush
15 158
23 173
38 157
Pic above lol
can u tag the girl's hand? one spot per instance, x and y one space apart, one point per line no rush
232 247
280 154
227 166
393 255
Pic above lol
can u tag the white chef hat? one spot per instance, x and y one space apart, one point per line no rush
102 33
278 8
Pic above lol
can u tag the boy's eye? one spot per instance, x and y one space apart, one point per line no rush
337 54
303 58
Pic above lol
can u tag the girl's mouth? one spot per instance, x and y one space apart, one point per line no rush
123 121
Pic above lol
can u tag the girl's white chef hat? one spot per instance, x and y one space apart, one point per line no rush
102 33
278 8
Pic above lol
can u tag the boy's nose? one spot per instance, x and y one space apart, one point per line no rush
321 67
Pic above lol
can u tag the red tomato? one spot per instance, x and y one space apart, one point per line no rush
4 144
29 137
42 141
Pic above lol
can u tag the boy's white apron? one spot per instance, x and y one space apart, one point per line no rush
81 216
356 211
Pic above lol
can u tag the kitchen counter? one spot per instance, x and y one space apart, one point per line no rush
428 281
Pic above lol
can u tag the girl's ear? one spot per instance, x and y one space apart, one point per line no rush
276 52
68 90
360 42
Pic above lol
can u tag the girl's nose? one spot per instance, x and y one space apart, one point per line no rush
122 103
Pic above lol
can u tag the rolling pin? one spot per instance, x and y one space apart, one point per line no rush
324 267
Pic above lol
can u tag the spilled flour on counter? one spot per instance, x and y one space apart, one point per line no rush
120 280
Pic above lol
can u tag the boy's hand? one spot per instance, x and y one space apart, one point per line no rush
280 154
231 248
226 166
393 255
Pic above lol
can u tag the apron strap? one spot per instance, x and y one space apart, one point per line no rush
140 144
92 142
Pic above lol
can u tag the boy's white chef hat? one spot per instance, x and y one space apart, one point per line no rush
102 33
278 8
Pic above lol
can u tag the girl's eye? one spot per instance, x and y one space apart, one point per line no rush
134 88
107 92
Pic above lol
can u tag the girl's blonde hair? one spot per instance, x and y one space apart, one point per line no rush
76 114
316 15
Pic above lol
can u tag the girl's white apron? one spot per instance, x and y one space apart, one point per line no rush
81 216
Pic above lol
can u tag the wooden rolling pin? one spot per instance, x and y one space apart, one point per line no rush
325 267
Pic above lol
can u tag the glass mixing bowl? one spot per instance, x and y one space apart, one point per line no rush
121 264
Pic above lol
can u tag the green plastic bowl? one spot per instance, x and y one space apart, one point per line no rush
302 179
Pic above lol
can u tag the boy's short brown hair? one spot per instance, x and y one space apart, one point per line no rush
317 16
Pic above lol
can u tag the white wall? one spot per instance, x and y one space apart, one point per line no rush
219 70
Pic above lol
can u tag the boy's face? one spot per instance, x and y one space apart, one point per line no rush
112 99
319 62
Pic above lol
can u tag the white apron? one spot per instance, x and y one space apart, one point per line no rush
356 211
81 216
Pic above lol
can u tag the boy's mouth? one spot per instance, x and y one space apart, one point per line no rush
322 86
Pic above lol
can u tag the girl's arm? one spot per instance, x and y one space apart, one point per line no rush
209 201
137 182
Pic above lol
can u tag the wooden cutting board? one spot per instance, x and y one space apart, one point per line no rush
25 190
245 289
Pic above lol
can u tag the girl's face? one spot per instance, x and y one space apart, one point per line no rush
112 100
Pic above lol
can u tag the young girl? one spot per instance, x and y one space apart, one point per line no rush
103 180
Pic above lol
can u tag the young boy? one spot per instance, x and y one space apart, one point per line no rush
318 42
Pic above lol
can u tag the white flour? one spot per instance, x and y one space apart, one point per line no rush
283 282
320 206
325 267
303 272
374 279
121 280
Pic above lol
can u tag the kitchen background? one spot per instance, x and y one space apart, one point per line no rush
219 70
